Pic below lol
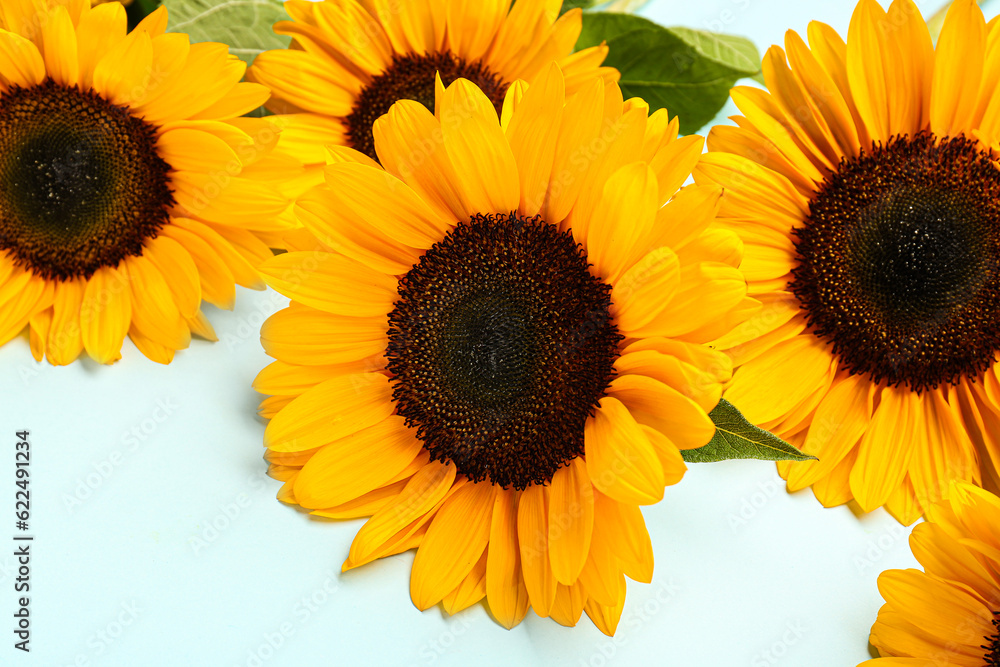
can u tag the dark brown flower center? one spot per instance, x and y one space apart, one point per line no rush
992 645
411 77
899 261
501 345
81 183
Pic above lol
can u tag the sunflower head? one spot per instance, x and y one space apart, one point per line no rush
495 346
949 613
863 183
130 188
352 61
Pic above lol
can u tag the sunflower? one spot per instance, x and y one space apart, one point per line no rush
495 350
351 61
949 614
129 189
863 185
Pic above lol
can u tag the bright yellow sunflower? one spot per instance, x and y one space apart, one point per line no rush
496 351
129 188
862 183
351 60
949 614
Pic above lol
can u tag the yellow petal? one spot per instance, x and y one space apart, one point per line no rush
620 458
189 149
455 540
532 132
122 75
606 617
627 536
218 286
580 127
471 590
768 387
154 311
302 335
331 283
886 448
380 199
656 404
100 30
64 344
841 419
569 604
59 40
505 587
330 411
356 464
707 290
399 519
38 326
409 141
20 62
35 297
571 520
866 67
533 540
321 214
478 149
958 69
621 221
172 260
645 289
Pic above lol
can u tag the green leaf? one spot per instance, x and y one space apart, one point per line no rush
146 6
605 26
245 25
736 438
736 53
689 72
582 4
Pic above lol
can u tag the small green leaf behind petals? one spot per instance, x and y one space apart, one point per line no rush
245 25
688 72
605 5
736 438
573 4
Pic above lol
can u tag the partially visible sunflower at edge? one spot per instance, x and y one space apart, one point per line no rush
351 60
863 183
130 190
949 614
496 352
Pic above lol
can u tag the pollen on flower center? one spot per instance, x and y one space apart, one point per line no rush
899 261
411 77
500 346
81 183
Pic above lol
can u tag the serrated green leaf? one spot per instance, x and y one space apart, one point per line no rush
689 72
736 438
245 25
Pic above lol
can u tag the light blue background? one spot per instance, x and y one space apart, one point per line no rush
159 541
